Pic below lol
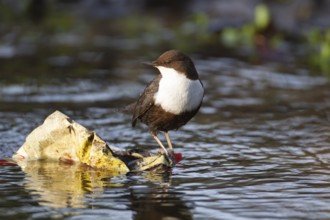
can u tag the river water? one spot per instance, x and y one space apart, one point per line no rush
258 149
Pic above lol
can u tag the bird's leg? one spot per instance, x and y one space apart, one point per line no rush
158 141
169 142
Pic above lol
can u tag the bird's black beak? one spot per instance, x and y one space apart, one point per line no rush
149 64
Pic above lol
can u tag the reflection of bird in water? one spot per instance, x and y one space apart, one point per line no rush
160 203
172 98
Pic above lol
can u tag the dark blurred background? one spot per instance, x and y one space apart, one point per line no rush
45 40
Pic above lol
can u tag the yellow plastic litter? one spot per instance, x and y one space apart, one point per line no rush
60 138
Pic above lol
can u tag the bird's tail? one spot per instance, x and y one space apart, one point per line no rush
129 108
126 109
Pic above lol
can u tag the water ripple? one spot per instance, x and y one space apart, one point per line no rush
259 148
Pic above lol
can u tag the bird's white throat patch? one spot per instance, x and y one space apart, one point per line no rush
176 93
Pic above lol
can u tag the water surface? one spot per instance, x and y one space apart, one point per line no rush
259 148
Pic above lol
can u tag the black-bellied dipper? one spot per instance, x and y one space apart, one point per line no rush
172 98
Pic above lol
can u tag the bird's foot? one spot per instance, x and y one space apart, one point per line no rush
170 156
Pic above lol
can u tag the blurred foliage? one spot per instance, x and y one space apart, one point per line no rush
319 56
258 36
52 40
262 17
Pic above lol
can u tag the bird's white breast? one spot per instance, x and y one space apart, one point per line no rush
176 93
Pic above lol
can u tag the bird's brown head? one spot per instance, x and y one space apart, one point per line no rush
178 61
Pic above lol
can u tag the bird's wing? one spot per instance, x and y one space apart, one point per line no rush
146 100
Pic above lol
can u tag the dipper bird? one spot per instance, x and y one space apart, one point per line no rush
172 98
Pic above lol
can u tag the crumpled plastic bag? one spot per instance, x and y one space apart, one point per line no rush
60 138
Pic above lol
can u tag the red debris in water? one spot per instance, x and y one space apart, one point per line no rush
177 157
7 163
